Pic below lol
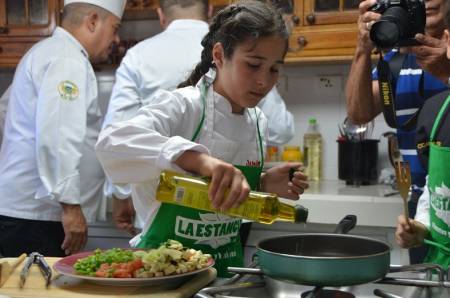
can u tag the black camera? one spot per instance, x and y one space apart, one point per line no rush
400 21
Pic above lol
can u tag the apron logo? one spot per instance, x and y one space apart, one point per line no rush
68 90
213 229
440 201
253 163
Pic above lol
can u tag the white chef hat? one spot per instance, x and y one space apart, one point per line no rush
114 6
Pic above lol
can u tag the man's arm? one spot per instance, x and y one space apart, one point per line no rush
61 118
362 94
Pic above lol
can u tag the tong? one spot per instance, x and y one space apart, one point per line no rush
36 258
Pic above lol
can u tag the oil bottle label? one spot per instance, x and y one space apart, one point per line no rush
250 209
194 199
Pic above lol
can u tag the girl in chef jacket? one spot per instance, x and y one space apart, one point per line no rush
210 127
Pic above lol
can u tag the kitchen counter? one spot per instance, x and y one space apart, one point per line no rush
329 201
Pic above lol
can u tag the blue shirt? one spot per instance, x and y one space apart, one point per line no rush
407 102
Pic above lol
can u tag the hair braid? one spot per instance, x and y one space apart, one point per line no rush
233 25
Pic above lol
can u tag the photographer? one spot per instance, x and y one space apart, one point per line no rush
423 72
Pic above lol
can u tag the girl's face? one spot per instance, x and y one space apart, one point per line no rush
250 73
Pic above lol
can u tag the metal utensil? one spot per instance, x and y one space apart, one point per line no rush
357 132
6 268
384 294
403 174
36 258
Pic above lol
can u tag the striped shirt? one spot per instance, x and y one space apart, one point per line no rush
407 102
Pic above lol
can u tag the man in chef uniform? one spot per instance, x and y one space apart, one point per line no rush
162 62
50 180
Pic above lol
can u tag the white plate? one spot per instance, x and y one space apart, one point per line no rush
65 267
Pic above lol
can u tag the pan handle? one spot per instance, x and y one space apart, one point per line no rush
346 224
239 270
380 293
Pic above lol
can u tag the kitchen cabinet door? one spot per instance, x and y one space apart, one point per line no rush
326 31
22 24
322 12
24 18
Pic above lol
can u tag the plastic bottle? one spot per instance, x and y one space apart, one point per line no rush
189 191
292 153
312 152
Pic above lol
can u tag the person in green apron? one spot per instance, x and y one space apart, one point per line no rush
431 224
432 221
210 126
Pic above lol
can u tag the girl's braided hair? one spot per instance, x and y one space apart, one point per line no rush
236 24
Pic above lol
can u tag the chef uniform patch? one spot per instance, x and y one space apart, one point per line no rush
68 90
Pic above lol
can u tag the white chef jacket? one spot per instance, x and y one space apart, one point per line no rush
137 150
164 61
159 62
52 124
3 106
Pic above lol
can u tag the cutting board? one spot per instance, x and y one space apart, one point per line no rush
68 287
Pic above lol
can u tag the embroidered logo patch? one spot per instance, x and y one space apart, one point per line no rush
68 90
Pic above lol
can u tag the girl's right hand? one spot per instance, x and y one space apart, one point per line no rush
223 176
408 236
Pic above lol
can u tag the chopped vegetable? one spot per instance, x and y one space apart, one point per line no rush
169 259
90 264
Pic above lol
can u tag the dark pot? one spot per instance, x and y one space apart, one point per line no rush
358 161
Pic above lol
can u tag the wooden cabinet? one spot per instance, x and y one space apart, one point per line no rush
23 23
324 30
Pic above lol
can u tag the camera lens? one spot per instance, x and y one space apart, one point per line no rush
391 27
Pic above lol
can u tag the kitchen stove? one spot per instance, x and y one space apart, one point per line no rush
414 281
326 293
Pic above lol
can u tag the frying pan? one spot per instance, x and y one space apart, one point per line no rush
324 259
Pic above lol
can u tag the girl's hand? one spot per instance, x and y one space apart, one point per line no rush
409 235
276 180
223 176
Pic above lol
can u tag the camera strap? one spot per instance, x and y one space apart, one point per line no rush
387 90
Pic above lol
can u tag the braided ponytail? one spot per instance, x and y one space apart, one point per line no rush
233 25
205 63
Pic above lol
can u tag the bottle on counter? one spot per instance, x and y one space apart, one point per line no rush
190 191
312 152
292 153
272 154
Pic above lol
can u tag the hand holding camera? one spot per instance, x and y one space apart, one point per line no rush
399 23
365 20
431 55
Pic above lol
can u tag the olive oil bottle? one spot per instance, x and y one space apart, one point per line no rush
189 191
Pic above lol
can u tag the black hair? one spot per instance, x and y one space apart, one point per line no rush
234 25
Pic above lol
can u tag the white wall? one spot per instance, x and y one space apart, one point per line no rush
318 91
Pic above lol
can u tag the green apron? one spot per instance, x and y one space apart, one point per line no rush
438 185
212 233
